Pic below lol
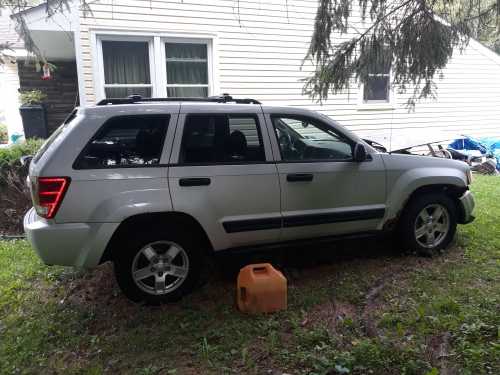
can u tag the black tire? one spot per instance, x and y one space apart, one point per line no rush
407 225
130 247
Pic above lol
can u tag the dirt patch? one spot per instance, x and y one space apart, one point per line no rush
438 353
330 314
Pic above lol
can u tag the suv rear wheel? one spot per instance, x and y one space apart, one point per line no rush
429 223
157 266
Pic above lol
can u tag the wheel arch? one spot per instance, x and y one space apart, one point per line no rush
451 190
159 220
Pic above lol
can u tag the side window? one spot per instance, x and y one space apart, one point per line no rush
221 139
307 139
125 141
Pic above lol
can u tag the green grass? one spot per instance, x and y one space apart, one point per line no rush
358 312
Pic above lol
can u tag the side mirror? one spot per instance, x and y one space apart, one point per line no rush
26 160
359 153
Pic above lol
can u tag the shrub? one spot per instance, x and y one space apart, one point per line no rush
32 97
10 155
13 189
4 137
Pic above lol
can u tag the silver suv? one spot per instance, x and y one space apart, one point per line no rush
154 185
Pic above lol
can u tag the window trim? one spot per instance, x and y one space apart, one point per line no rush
157 58
106 124
228 115
314 121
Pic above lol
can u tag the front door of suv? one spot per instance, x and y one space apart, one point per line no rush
323 191
222 174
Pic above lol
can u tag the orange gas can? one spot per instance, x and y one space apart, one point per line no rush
261 288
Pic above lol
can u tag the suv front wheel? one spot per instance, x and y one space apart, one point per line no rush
428 223
157 267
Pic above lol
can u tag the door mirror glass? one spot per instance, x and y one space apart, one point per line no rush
26 160
359 152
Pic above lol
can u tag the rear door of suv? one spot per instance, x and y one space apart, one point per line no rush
222 173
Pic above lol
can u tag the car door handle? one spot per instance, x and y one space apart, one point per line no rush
196 181
295 177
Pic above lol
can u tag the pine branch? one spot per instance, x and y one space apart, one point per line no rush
409 36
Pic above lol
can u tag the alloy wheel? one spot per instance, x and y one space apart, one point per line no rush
160 267
432 226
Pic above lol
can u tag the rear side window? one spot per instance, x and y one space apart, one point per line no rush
221 139
125 141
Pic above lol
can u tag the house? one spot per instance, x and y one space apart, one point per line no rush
55 39
248 48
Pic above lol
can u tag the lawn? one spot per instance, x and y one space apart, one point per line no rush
358 307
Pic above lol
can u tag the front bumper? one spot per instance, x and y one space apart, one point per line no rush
69 244
466 206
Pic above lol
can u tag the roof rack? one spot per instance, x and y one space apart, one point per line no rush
132 99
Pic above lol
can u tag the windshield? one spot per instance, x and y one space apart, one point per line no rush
54 136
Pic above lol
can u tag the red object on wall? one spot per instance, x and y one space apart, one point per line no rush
46 72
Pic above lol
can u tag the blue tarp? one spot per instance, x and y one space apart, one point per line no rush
489 146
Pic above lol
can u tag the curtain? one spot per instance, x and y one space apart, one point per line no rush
123 92
187 72
376 88
187 64
186 51
126 62
187 92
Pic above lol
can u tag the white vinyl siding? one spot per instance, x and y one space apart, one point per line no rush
258 52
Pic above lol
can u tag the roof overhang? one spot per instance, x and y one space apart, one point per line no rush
47 18
51 29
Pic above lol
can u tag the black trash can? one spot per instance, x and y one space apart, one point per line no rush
34 120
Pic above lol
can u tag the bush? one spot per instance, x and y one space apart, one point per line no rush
10 155
13 190
4 137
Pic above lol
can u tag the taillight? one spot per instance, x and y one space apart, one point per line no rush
48 193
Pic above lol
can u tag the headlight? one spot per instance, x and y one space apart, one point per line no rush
469 177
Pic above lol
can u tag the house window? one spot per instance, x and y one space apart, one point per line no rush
377 88
187 69
126 68
153 66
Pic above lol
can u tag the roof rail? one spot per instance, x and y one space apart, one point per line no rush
132 99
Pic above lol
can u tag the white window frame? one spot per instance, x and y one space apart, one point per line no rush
157 59
377 104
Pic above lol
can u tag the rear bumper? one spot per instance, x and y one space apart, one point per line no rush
70 244
467 205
